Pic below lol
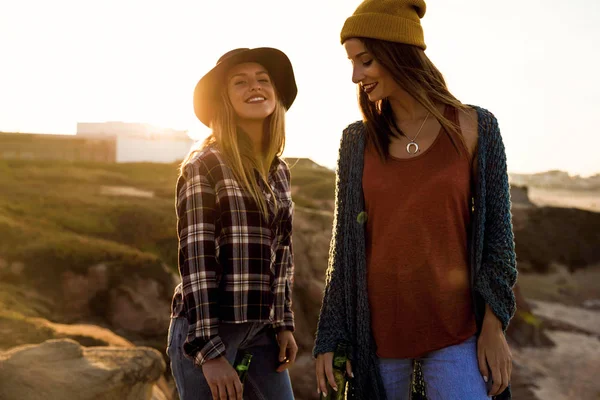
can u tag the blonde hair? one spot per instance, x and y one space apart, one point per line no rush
237 148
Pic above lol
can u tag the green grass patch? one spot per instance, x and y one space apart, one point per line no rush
15 330
54 215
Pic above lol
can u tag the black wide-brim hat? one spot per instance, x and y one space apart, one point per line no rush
278 65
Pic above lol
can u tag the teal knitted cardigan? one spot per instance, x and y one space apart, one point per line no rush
345 312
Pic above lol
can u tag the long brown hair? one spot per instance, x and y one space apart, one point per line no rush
414 72
237 149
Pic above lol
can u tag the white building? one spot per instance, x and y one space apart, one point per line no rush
138 142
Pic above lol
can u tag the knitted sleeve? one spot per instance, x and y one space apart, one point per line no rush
497 273
332 318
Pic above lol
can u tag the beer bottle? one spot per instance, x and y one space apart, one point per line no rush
242 366
340 356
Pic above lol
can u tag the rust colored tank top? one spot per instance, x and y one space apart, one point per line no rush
417 257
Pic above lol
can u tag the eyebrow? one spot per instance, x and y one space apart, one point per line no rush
359 54
262 72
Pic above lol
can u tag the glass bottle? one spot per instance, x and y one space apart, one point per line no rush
340 356
242 366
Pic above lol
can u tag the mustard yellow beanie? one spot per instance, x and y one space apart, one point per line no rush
392 20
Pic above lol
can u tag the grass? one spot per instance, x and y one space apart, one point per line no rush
15 330
55 212
19 301
47 250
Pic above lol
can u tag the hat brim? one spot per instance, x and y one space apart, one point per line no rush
275 61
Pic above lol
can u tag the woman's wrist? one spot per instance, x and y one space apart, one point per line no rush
490 319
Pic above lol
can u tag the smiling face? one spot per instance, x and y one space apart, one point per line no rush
373 78
251 91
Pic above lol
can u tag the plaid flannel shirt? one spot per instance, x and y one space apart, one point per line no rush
235 266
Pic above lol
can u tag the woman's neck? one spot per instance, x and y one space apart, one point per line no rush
406 107
255 131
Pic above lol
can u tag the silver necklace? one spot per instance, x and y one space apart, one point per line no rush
412 142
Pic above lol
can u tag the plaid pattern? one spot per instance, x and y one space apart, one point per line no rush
235 266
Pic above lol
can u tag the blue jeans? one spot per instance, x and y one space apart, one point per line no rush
263 382
450 373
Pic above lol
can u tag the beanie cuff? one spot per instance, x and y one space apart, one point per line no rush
384 27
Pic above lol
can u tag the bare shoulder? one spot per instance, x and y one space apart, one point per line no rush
468 124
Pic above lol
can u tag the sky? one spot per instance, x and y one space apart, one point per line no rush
533 63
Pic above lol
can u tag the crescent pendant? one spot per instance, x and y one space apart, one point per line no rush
410 146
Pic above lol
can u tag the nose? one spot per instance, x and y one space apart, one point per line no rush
357 74
255 85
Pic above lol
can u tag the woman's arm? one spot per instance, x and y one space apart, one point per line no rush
497 274
197 209
498 271
285 257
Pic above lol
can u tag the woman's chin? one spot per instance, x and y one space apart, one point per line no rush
373 97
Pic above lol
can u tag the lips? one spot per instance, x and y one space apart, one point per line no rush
368 88
255 99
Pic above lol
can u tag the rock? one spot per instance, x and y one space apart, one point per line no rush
138 305
17 268
552 235
135 305
526 328
519 195
303 379
524 380
592 304
62 369
80 289
312 234
580 319
567 371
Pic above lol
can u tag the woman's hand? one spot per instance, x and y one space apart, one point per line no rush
223 379
493 353
287 350
324 368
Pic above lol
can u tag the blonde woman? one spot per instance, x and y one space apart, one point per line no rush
234 221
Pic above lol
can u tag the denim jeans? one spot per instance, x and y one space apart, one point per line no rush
450 373
263 382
